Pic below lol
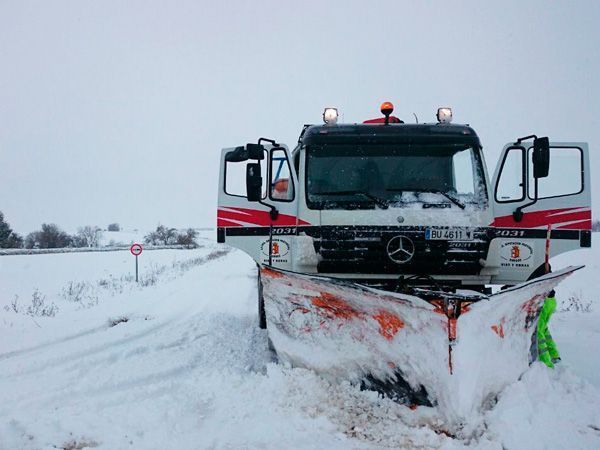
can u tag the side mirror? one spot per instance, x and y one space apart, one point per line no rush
253 182
239 154
255 151
541 157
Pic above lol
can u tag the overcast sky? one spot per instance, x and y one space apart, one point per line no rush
117 111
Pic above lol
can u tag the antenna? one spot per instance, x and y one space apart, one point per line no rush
416 118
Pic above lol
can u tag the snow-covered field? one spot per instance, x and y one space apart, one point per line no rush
90 359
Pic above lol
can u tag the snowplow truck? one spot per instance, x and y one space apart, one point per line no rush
402 212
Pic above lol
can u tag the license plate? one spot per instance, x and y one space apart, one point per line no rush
448 234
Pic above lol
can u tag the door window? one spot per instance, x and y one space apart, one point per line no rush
510 186
281 184
235 177
565 176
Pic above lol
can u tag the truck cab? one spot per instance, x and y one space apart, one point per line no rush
385 203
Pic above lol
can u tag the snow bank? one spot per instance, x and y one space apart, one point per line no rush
547 409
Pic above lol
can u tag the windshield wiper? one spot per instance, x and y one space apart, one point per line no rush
379 201
445 194
433 191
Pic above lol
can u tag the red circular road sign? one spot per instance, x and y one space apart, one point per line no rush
136 249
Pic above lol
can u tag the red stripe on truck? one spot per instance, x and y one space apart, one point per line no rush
581 225
563 219
226 223
231 217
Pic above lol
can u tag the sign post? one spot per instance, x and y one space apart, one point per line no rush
136 250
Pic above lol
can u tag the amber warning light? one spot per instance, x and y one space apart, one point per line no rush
387 108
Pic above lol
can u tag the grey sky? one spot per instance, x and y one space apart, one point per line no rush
116 111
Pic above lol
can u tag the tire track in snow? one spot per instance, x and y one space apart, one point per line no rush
67 358
174 335
213 256
213 357
217 350
26 351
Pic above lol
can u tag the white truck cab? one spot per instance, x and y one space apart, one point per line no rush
385 202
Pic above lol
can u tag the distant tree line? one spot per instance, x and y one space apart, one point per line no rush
170 236
51 236
596 225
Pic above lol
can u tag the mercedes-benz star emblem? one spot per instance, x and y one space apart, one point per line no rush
400 249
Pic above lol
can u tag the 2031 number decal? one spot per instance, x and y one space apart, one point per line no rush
284 230
510 233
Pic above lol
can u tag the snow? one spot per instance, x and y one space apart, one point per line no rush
547 409
190 369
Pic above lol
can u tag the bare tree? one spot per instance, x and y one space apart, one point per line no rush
188 238
162 236
89 236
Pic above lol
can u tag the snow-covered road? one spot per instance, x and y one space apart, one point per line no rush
181 364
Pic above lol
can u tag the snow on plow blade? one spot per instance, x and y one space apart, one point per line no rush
462 353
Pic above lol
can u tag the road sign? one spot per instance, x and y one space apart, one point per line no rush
136 249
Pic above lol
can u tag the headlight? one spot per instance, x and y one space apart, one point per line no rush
444 115
330 116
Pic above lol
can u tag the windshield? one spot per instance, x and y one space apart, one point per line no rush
378 175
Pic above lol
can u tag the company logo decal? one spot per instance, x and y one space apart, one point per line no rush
279 250
516 254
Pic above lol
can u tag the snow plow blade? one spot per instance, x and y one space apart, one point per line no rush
456 352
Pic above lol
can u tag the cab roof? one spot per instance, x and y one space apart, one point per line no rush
388 134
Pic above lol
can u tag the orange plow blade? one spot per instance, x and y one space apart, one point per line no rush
452 352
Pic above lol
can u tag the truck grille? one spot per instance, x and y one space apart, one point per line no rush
363 250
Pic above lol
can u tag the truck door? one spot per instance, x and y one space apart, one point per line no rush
529 202
263 225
